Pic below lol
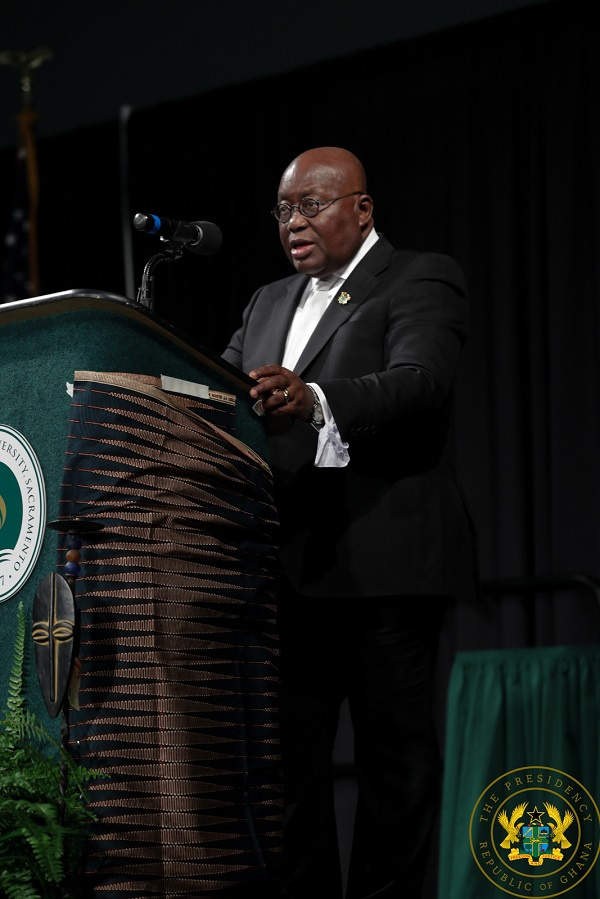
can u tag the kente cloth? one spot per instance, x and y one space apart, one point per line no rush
178 653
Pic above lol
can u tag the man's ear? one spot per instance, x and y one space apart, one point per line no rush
365 207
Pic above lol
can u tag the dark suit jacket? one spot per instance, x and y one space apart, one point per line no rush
394 520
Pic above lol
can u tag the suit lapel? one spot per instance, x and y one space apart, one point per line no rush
356 288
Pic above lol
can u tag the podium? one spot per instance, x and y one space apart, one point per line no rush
116 420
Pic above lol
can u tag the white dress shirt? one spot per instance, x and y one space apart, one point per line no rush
332 452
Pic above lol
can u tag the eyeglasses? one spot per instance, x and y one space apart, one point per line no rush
308 207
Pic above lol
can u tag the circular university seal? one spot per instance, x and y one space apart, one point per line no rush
534 832
22 511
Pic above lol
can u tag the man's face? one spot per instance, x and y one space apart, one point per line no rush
319 246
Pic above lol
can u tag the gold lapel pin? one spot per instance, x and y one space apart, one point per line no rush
343 298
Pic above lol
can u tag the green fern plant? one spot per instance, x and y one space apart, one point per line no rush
42 826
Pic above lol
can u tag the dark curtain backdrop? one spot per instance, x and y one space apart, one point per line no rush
482 142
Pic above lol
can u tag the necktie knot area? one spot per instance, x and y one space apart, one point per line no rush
326 284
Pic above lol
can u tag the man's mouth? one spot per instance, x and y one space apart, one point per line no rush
300 248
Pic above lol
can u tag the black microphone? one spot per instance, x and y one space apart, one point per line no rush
202 238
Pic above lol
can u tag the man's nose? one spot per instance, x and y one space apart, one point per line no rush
296 219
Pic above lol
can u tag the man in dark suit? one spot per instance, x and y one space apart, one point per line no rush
354 358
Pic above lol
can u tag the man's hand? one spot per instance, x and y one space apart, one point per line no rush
282 392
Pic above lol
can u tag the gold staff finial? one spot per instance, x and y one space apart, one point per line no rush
26 63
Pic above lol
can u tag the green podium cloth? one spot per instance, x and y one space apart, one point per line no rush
522 775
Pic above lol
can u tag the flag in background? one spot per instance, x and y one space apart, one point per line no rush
19 272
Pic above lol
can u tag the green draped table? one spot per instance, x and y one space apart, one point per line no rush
522 775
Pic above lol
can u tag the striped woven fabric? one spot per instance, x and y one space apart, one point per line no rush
178 650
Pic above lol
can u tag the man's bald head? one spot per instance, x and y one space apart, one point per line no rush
343 166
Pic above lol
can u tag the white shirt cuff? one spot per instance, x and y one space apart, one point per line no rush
332 452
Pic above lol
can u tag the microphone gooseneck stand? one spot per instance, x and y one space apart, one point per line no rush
202 238
171 252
